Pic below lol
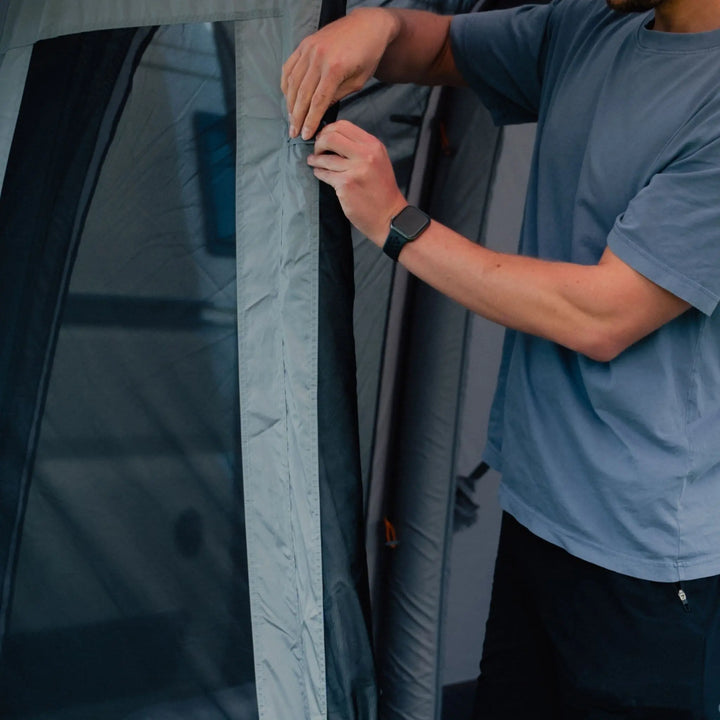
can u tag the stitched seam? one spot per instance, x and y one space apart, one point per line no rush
689 472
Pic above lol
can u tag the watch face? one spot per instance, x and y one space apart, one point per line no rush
410 222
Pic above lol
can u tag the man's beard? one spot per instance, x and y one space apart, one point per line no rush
629 6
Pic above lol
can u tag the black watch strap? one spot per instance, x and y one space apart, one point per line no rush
394 244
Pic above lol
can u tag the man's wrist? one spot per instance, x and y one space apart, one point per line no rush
395 25
381 236
387 18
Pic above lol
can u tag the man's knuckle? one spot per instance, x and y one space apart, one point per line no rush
319 52
334 68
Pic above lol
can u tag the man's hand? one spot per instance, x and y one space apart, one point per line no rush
357 166
332 63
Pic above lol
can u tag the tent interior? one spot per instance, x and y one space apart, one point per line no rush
239 449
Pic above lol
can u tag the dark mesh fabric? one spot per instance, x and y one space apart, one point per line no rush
130 590
68 92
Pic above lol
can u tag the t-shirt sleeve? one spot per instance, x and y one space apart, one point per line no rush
501 55
670 232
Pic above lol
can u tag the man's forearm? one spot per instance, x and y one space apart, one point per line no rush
419 51
597 310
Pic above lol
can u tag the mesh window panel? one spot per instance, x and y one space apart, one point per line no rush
129 592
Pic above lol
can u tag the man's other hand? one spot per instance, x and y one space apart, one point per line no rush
357 166
332 63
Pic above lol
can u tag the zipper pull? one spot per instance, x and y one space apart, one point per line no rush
683 598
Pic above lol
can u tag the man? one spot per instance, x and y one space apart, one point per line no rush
606 422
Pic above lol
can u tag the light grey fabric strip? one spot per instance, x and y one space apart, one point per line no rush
277 280
13 71
31 20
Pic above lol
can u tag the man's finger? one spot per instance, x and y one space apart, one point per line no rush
322 99
348 130
295 79
287 69
328 162
331 141
302 101
328 176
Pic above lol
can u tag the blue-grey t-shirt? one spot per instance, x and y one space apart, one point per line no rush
617 462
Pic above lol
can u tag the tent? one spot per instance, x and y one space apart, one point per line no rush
236 444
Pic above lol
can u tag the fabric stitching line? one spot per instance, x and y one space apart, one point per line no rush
671 51
689 474
668 51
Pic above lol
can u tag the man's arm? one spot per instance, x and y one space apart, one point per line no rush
597 310
420 51
397 45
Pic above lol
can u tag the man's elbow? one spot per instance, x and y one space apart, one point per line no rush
603 343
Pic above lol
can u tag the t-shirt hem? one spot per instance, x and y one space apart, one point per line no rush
492 456
656 570
669 279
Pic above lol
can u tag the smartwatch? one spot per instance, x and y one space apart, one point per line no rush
405 227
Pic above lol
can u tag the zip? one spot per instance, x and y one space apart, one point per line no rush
683 597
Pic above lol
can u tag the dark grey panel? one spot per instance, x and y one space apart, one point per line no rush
473 549
421 499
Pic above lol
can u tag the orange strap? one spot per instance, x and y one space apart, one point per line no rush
390 535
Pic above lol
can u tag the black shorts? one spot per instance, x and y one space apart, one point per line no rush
567 640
